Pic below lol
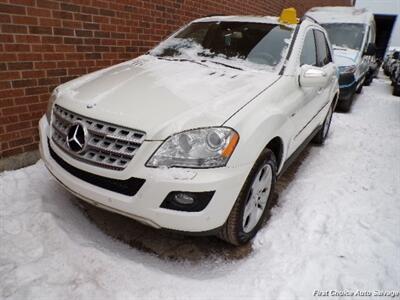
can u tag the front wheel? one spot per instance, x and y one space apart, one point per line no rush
254 202
345 105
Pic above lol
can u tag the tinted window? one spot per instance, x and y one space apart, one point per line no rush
323 53
258 43
308 54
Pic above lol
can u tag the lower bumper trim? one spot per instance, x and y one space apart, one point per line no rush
128 187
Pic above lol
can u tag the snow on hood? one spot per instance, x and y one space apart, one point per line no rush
161 96
345 56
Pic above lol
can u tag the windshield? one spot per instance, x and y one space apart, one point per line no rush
234 43
345 35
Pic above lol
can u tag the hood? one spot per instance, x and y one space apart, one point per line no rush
163 97
345 56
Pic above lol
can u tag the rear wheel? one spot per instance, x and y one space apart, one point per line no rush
345 105
254 202
323 132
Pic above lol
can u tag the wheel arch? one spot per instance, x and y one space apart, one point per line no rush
276 146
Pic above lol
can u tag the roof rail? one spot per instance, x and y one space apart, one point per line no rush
311 18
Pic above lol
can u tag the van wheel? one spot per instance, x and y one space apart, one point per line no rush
252 207
345 105
321 135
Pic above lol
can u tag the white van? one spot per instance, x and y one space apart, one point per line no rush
352 34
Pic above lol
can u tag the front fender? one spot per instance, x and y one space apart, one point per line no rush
256 129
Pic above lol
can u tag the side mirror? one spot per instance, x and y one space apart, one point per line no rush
396 55
312 77
371 49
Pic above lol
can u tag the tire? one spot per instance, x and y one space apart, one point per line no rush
237 229
368 80
345 105
321 135
396 90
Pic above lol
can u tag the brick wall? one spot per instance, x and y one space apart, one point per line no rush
44 43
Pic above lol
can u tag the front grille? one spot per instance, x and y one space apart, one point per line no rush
128 187
108 146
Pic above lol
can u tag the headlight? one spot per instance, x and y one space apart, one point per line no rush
347 69
53 98
198 148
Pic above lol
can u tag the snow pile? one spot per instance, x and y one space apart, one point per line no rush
337 227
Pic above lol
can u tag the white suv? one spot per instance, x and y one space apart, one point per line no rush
192 136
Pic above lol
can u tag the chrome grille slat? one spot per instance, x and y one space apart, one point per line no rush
111 151
60 131
115 137
108 145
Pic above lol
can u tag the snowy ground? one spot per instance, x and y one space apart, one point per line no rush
337 227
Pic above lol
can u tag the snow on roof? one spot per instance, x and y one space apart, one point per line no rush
340 14
254 19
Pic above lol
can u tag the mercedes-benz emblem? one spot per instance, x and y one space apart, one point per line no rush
76 137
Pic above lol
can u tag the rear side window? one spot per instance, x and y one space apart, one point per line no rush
308 53
323 52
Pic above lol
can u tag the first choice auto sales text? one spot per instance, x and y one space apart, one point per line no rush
336 293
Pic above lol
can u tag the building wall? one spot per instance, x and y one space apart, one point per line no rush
44 43
385 7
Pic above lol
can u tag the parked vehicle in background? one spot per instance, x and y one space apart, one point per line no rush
395 77
385 62
390 62
396 84
375 67
394 68
352 34
192 136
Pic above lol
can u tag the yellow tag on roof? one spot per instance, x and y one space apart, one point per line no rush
289 16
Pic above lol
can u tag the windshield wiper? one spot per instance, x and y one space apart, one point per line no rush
222 64
182 59
201 62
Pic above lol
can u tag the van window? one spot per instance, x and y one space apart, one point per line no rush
308 54
323 53
345 35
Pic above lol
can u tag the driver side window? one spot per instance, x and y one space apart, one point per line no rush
309 54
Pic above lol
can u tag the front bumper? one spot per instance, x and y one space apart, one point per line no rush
347 86
144 205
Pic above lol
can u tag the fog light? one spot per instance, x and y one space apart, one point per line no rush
184 199
187 201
